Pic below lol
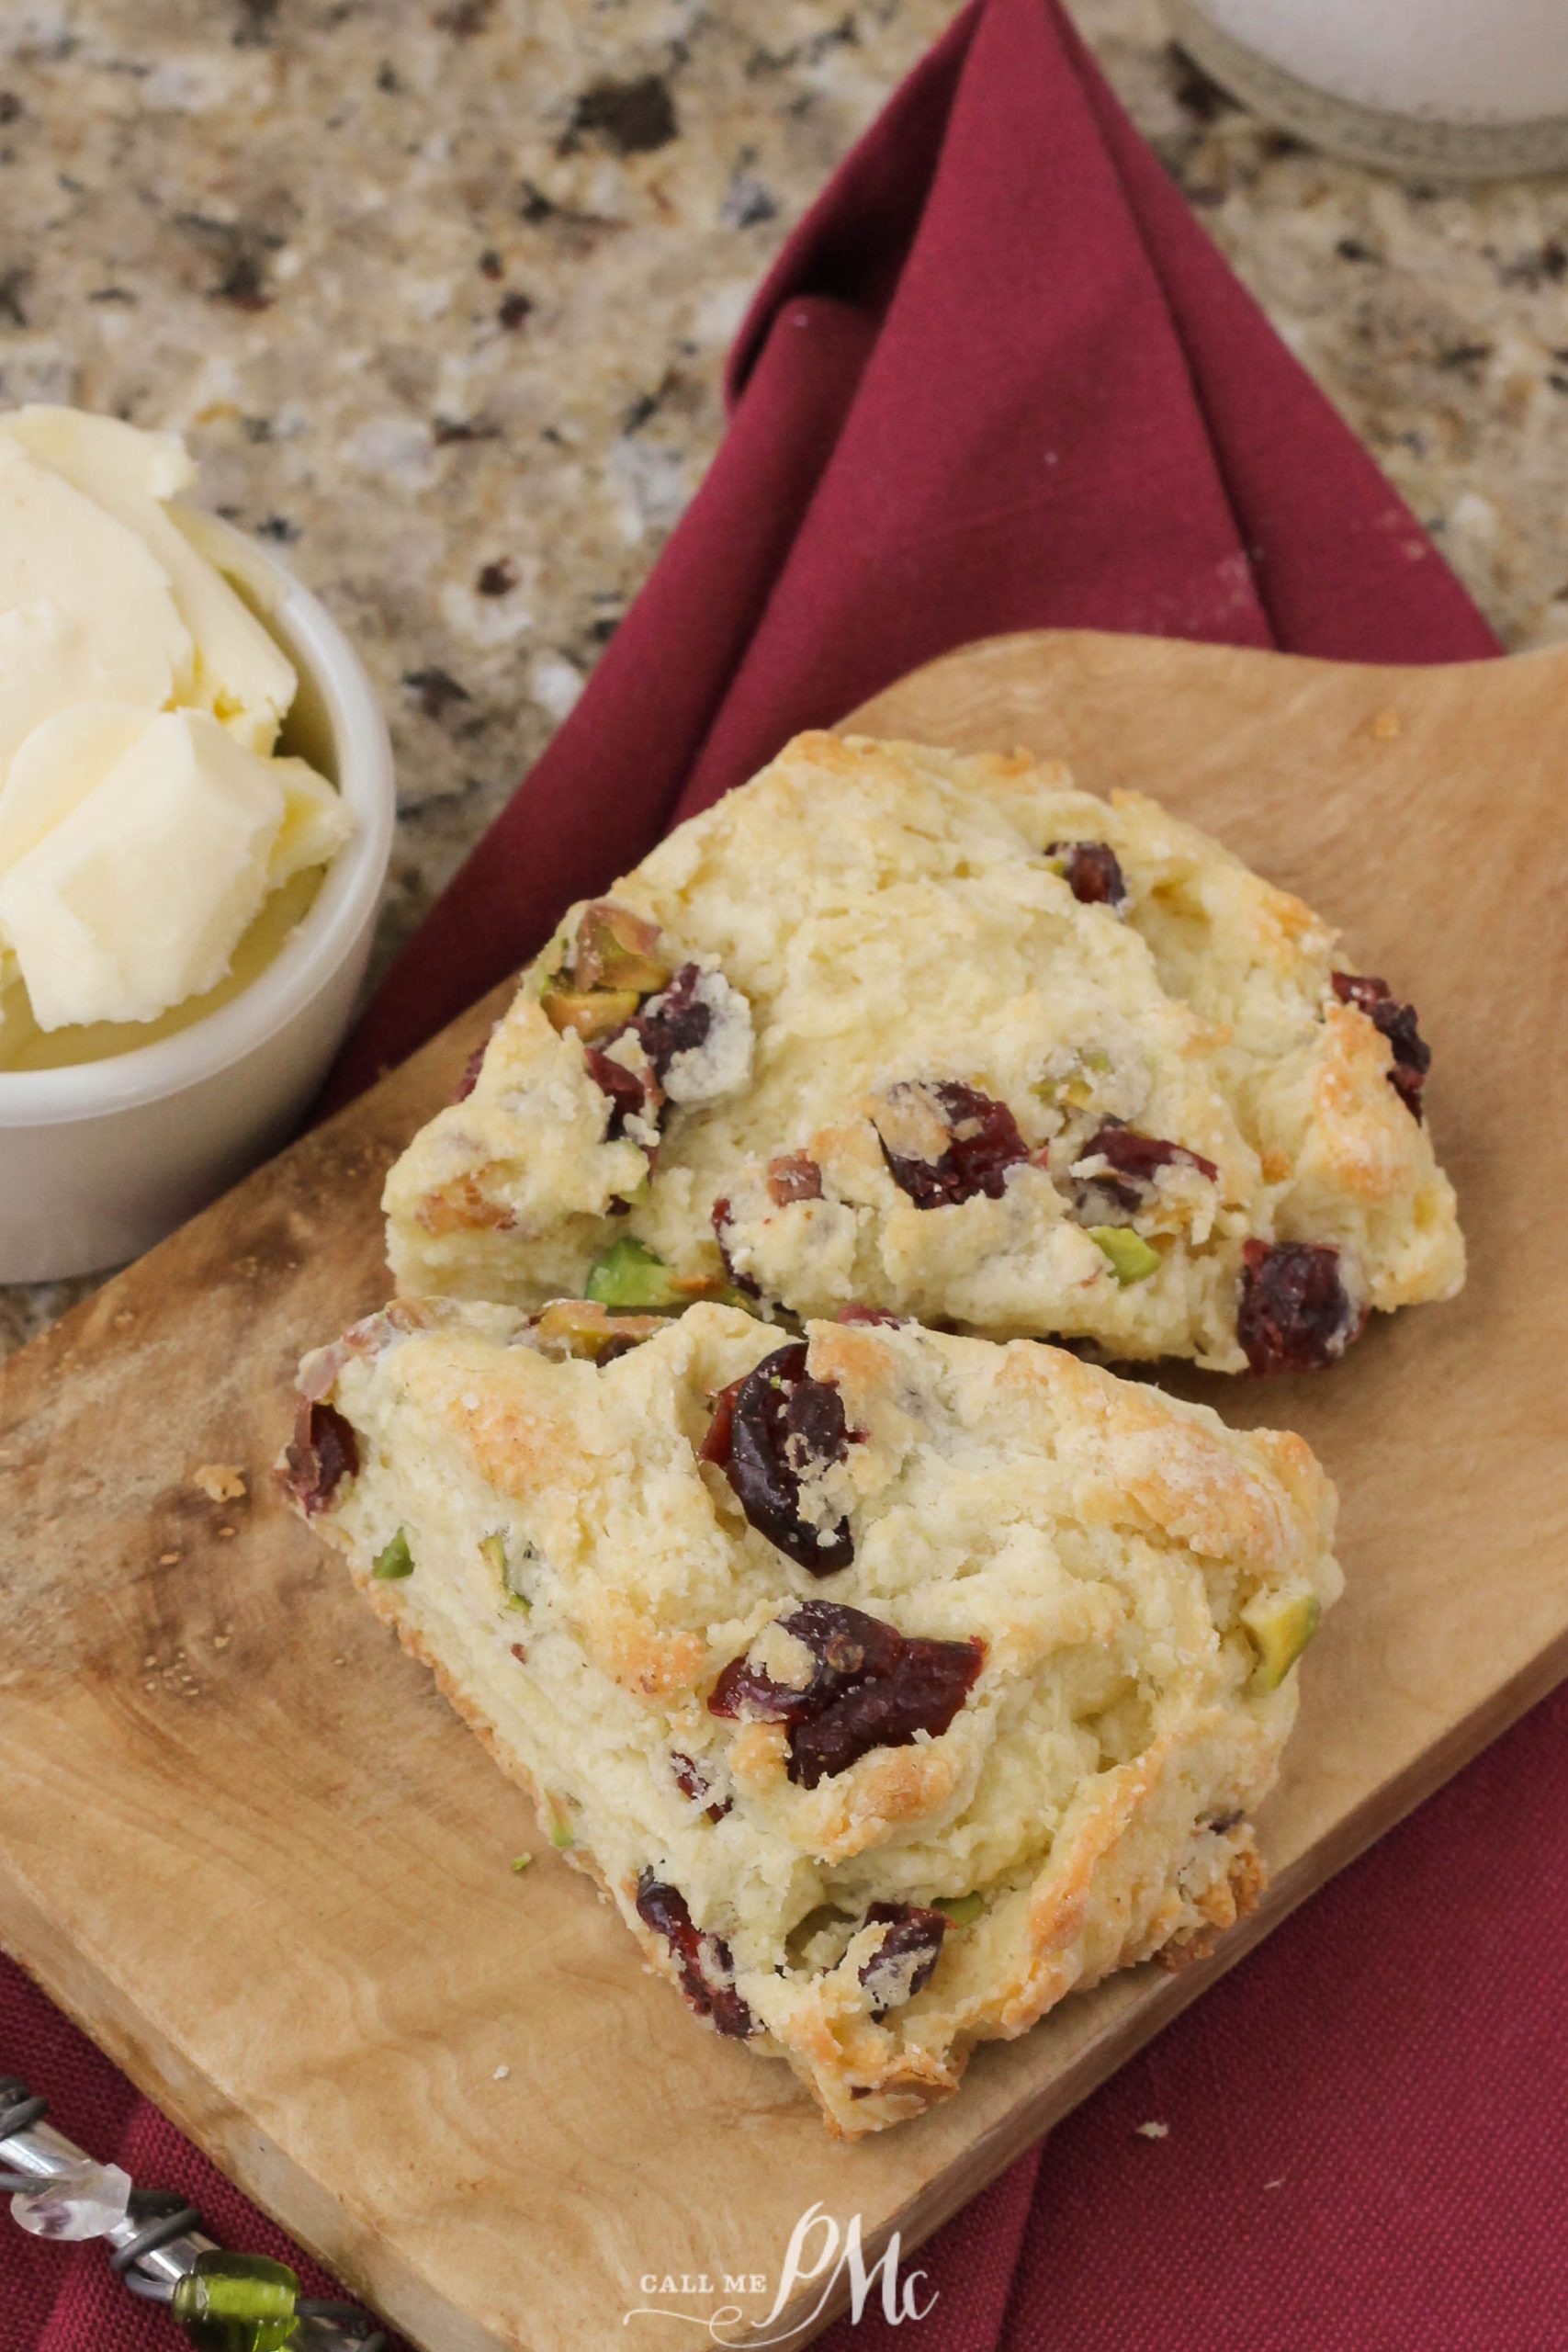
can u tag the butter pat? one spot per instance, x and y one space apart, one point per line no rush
230 665
150 846
87 614
315 822
57 766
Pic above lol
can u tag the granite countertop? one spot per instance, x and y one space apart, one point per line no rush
441 293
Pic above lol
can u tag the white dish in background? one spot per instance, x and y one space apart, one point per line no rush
1435 89
100 1159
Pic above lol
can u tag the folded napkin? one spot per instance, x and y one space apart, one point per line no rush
999 380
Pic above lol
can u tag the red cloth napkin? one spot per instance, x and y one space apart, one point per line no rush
999 380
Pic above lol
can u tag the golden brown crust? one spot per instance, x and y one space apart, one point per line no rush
625 1645
1226 1902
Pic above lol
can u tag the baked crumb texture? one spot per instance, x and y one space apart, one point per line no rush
944 1035
891 1690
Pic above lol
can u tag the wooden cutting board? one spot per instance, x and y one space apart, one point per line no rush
246 1844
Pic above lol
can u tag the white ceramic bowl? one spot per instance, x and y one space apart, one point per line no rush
100 1160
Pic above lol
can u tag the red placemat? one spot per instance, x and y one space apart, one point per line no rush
999 380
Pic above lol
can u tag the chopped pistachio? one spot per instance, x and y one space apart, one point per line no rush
493 1547
1073 1088
561 1836
520 1863
582 1328
629 1275
589 1013
618 949
1279 1627
1132 1259
717 1286
962 1909
396 1561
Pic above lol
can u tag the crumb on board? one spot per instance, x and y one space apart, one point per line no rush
220 1482
167 1559
1152 2131
502 2074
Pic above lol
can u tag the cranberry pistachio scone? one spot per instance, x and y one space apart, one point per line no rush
944 1035
891 1684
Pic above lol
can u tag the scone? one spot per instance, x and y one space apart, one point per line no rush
890 1683
942 1035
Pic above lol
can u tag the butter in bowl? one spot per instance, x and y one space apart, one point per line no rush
196 814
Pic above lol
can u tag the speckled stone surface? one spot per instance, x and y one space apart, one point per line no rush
441 294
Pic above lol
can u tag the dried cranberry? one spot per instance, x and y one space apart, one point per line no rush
322 1452
794 1176
983 1143
471 1069
630 1094
914 1934
872 1687
1363 990
923 1692
1396 1022
848 1645
783 1424
714 1446
1134 1158
704 1962
675 1022
694 1782
1092 873
723 1216
1295 1314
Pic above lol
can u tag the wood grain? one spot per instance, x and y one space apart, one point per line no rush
242 1840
